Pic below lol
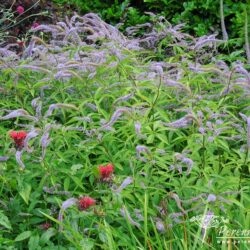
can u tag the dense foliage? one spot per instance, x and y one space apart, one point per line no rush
103 146
201 17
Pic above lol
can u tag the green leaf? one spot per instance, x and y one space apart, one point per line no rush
25 192
23 236
163 138
150 139
66 183
87 244
47 235
33 242
4 221
75 168
77 181
223 145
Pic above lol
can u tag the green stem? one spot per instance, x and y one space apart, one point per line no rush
223 26
247 37
203 152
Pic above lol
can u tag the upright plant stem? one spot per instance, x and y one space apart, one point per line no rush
146 219
223 26
203 153
247 36
156 98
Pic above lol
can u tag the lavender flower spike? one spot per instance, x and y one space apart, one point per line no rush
211 198
66 204
178 201
206 222
138 130
141 149
124 184
126 214
187 161
115 116
19 160
247 119
138 214
58 105
123 98
248 133
4 158
45 140
160 225
182 122
32 134
18 113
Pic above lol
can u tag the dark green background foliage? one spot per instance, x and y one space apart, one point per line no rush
201 16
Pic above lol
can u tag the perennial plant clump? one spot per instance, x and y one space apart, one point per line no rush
163 109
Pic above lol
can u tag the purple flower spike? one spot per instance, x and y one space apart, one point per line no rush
211 198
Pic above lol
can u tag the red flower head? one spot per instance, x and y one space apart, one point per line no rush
106 171
20 9
45 226
18 137
21 43
35 25
85 202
